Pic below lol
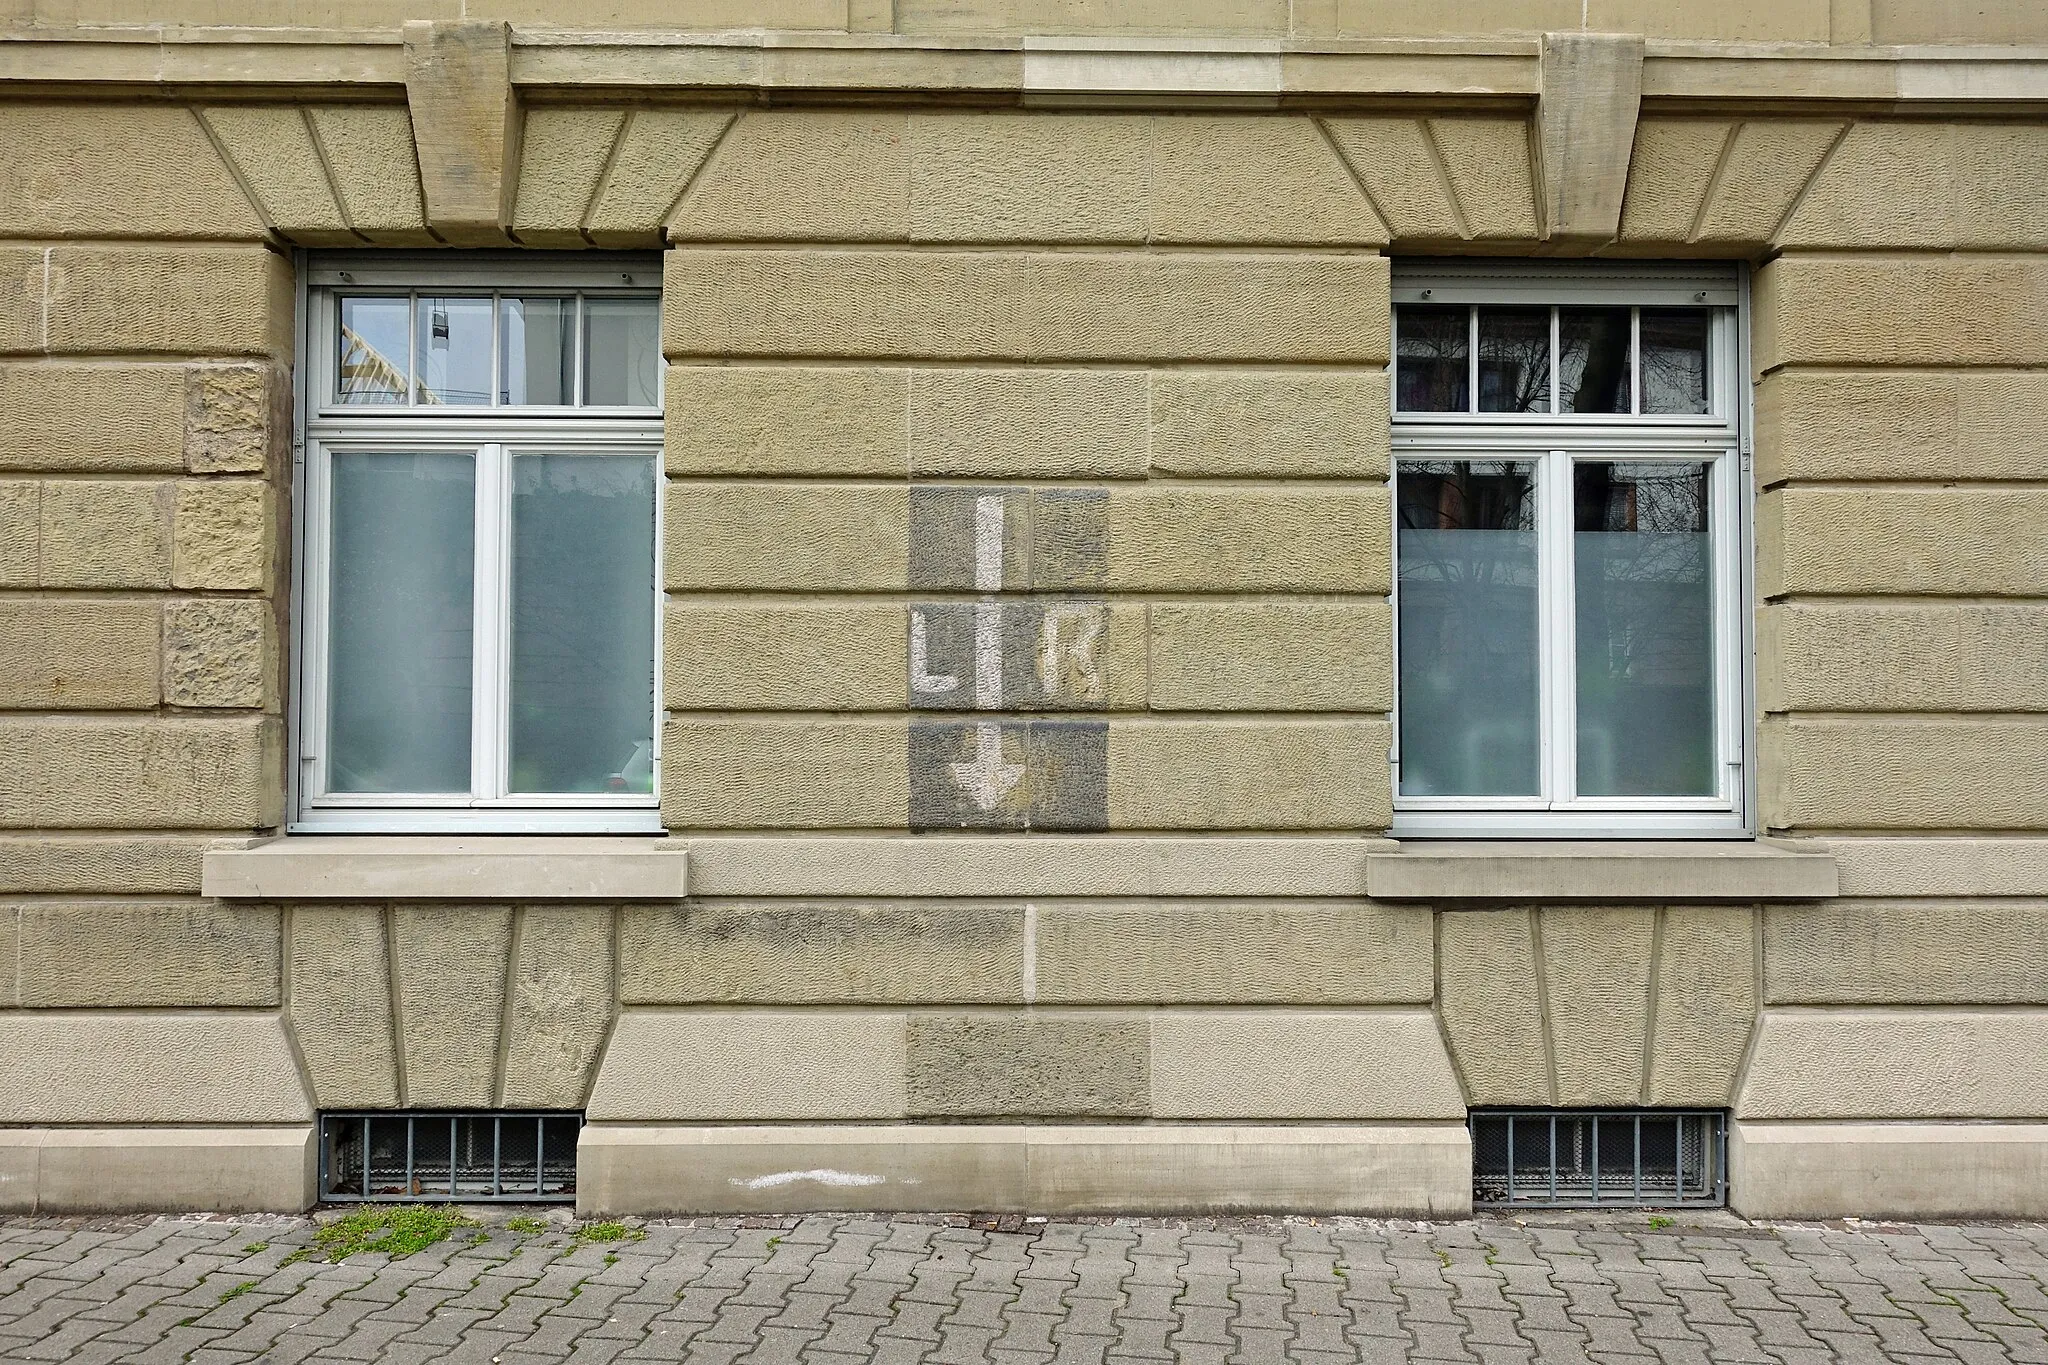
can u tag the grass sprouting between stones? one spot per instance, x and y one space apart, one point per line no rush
608 1232
525 1224
397 1232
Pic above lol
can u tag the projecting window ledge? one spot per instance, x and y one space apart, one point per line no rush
1620 871
417 868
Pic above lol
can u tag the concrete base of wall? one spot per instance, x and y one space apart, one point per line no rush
1407 1169
118 1170
1888 1170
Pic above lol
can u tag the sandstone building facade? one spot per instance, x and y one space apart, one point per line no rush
1027 604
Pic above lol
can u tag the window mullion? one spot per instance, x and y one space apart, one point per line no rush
487 707
1559 685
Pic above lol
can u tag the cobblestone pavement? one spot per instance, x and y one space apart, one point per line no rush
1007 1291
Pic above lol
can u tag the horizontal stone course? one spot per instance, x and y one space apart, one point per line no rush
1936 657
1935 185
139 774
1846 952
132 169
752 1064
219 301
1091 1063
1955 540
1905 774
1301 1064
70 654
1900 310
1271 656
1249 775
784 656
88 864
1896 1064
1920 424
147 954
181 1066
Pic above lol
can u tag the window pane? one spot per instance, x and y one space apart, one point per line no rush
1433 365
1592 359
1644 609
582 623
454 350
1468 628
622 352
402 562
1675 360
539 342
372 351
1514 360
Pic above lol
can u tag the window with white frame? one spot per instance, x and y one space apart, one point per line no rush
478 536
1569 532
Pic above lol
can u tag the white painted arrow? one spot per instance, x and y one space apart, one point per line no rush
987 779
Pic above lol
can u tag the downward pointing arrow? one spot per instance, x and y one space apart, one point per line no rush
987 780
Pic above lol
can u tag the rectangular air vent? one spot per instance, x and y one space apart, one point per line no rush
1576 1158
449 1156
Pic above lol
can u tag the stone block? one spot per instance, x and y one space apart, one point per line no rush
973 537
1590 90
450 962
139 954
750 1065
224 534
1027 424
562 159
1234 180
1115 16
560 1006
1013 775
658 152
235 417
458 83
1055 654
801 175
156 1170
1922 866
1029 1063
1493 1016
1901 310
770 420
375 170
173 773
1766 165
129 1067
1597 963
1910 773
1961 541
1487 162
1706 1005
798 537
1855 952
86 864
723 656
1799 21
1965 424
74 653
763 774
218 653
1897 1064
24 322
1937 656
1021 177
1249 775
103 534
1301 1064
1269 424
1913 1171
341 1014
92 418
1272 656
223 301
1397 161
130 169
700 16
1937 21
21 533
275 155
1025 305
1232 952
1942 186
823 952
1669 173
1168 538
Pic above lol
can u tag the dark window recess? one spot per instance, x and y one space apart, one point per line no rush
1576 1158
473 1156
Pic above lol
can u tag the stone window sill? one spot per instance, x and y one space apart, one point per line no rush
411 868
1618 871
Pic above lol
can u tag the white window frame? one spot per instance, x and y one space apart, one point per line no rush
1552 441
493 434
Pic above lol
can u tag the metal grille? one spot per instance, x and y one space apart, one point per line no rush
379 1156
1556 1158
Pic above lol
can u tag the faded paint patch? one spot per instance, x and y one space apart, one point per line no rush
820 1176
1050 655
1009 775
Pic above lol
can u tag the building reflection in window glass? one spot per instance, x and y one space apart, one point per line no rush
1433 359
1593 360
1675 360
1514 360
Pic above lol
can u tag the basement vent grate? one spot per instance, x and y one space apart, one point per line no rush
449 1156
1576 1159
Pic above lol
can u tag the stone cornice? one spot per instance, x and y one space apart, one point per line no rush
1053 72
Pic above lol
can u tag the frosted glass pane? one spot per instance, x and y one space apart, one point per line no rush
1433 358
1514 360
372 350
1592 360
539 340
1645 604
454 351
401 567
582 623
622 352
1675 360
1467 562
